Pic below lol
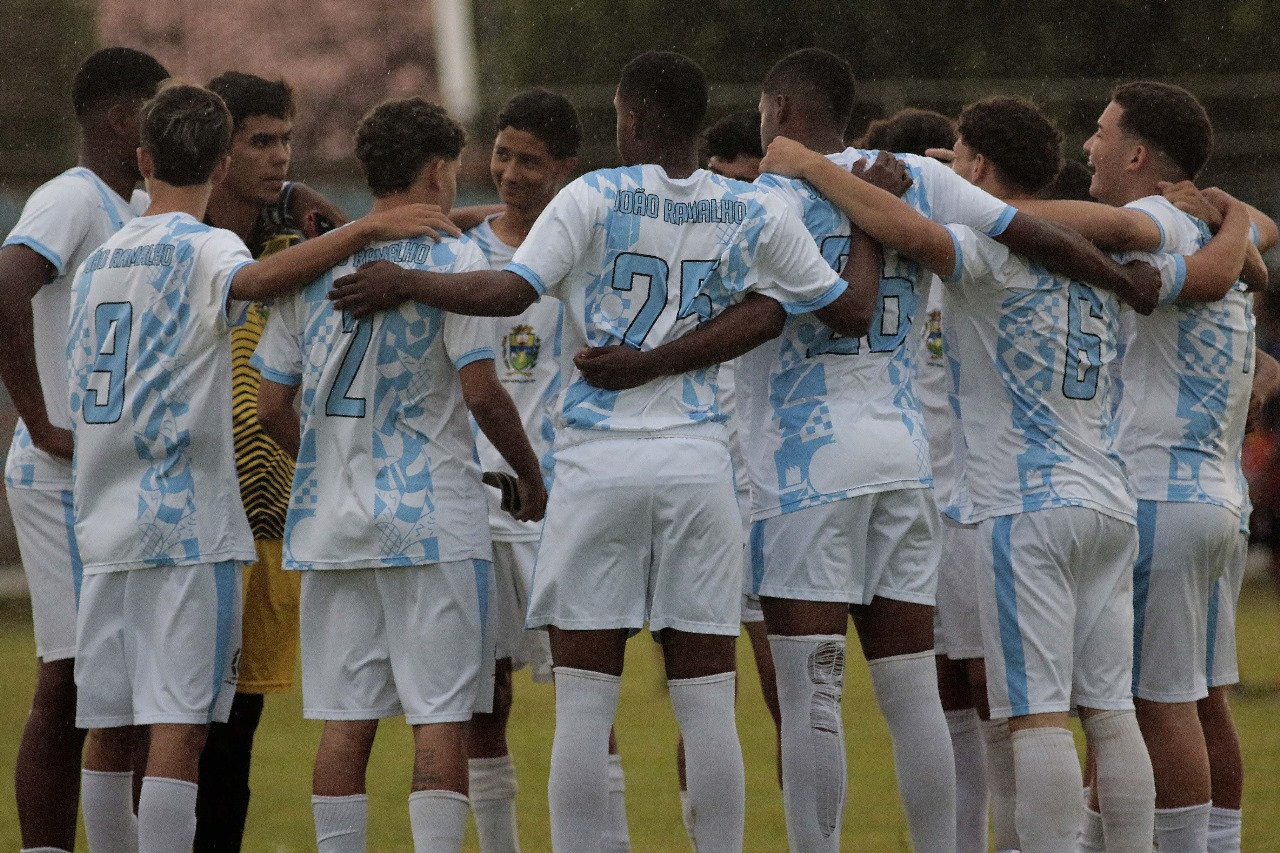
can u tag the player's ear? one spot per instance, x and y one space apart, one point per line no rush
1139 156
220 171
122 118
981 169
146 163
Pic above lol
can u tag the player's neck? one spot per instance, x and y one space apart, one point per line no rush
824 140
120 174
514 223
677 163
232 213
166 198
391 201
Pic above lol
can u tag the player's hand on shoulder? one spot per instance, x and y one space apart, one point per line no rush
373 287
53 440
410 220
1143 291
886 172
1205 205
533 499
614 368
786 157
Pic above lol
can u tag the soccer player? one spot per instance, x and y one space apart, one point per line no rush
732 146
1186 375
159 527
387 517
643 524
61 224
1040 476
909 131
254 201
534 155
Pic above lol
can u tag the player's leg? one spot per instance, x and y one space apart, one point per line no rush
339 802
758 635
895 628
1226 762
47 768
1183 548
1121 778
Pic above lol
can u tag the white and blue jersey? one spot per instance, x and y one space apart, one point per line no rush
640 258
149 356
829 417
1030 353
530 360
1186 371
64 221
387 472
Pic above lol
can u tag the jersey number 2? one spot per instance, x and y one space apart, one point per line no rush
339 403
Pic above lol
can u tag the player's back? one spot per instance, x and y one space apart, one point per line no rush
1034 387
150 367
1186 373
386 472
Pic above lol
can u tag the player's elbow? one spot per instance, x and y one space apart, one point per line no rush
849 316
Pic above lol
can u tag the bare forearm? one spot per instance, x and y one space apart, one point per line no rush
736 330
1064 251
284 428
481 293
299 265
499 420
1110 228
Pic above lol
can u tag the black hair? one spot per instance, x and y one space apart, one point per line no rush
910 131
548 116
1169 119
1073 182
1016 137
668 91
737 133
248 95
397 138
187 131
114 73
820 77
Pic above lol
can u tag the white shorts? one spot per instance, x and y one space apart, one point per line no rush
883 544
1221 668
641 530
1183 549
45 524
1055 597
386 641
957 626
158 645
513 573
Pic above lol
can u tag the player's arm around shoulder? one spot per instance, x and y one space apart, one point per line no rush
1213 270
1111 228
277 416
278 359
496 415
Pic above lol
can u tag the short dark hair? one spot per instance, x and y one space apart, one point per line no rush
1016 137
249 95
1169 119
397 138
910 131
819 75
113 73
187 131
737 133
669 90
1073 182
546 115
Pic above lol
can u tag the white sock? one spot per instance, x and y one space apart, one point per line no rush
1184 830
1000 785
44 850
1091 839
971 780
619 835
578 784
810 676
686 814
438 820
1125 784
1224 830
166 815
492 783
906 688
1048 776
107 801
342 823
712 760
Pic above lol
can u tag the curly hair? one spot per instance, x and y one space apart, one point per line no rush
1169 119
187 131
1016 137
909 131
249 95
397 138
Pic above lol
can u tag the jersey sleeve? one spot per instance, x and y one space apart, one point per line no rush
54 222
222 255
979 259
950 198
1171 266
789 267
559 237
1168 219
279 354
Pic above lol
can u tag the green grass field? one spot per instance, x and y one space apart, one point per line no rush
280 816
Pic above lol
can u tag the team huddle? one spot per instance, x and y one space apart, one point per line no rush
997 427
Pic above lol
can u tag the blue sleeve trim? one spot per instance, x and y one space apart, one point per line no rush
241 315
535 281
1179 280
1003 222
1254 234
45 252
958 269
475 355
819 303
276 376
1159 227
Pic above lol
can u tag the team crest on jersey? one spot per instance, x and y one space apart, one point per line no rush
520 352
933 335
